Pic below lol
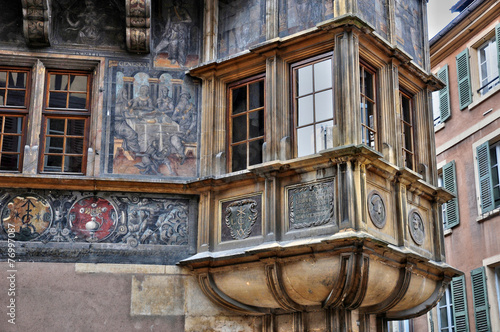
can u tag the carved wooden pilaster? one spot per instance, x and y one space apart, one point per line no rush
138 21
36 22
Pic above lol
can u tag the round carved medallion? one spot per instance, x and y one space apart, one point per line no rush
376 209
93 218
416 225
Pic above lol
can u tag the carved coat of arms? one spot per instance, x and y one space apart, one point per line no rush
240 216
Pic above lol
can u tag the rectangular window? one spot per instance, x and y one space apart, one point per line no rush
65 122
488 163
313 105
14 96
406 116
246 128
488 66
368 107
445 313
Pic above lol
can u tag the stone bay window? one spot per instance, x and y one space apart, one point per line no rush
269 146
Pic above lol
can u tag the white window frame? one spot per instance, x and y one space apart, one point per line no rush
449 311
443 206
491 64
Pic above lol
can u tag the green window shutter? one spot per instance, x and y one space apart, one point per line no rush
459 299
497 37
450 183
444 95
485 184
463 75
480 296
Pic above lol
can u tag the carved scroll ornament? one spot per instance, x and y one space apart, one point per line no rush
138 31
36 22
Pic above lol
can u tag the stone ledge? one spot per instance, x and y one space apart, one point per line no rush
130 269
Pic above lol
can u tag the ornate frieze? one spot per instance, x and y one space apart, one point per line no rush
109 221
36 22
311 205
138 25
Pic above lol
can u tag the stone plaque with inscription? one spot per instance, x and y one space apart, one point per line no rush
311 205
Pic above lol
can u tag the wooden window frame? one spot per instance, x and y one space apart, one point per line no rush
411 129
294 97
366 130
229 119
66 114
15 111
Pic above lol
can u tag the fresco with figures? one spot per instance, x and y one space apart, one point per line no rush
298 15
153 122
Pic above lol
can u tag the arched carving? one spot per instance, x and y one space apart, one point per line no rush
275 284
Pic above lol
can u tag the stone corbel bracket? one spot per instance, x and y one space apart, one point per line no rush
36 22
138 31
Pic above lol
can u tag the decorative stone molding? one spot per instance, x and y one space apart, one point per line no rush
36 22
138 21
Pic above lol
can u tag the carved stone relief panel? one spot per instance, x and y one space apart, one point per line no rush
376 13
153 122
241 218
11 29
377 209
416 226
409 28
138 30
89 23
177 33
242 23
128 221
36 22
311 205
297 15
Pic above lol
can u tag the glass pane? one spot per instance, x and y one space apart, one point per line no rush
324 135
55 126
304 81
54 144
13 125
323 75
256 124
305 141
15 97
78 83
74 145
443 316
256 94
239 128
57 99
324 105
58 82
2 97
368 91
239 100
3 79
239 157
409 160
52 163
11 143
76 127
77 100
407 138
255 152
9 162
17 80
406 109
73 164
306 110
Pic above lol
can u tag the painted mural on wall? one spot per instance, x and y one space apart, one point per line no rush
11 29
153 122
90 23
409 33
177 33
297 15
87 217
375 13
242 23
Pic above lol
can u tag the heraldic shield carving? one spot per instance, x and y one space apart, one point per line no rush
240 216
